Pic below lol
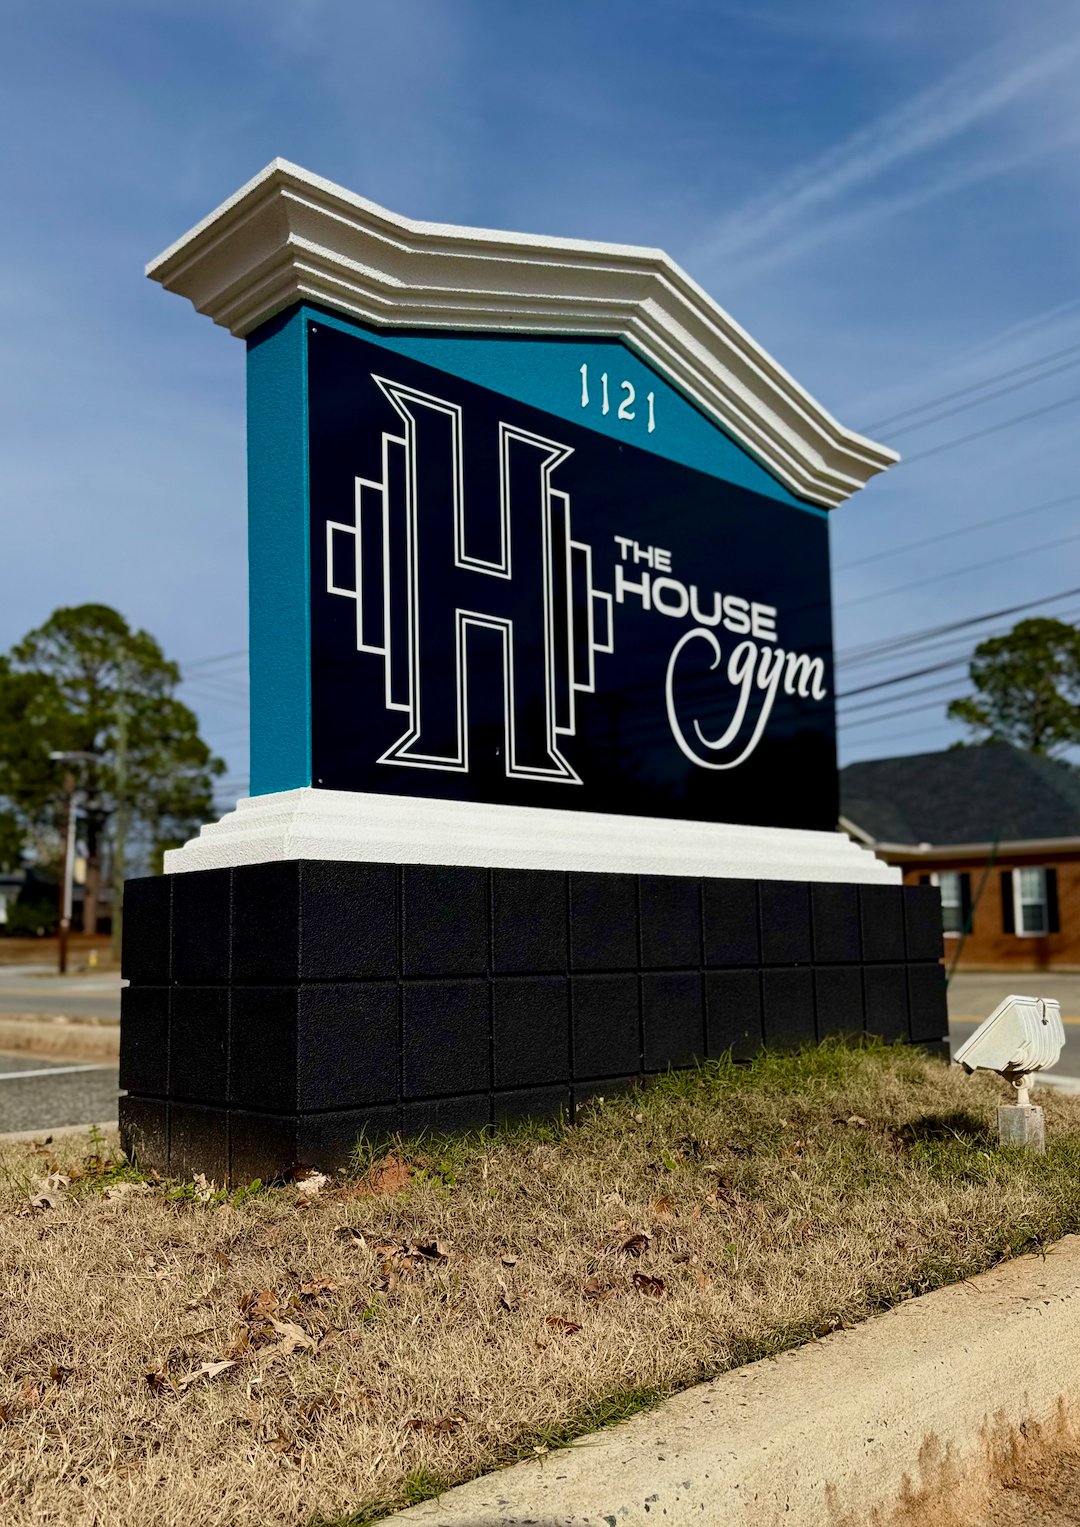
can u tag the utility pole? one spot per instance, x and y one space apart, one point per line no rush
68 874
120 836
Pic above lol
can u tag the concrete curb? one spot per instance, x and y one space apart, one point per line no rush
832 1430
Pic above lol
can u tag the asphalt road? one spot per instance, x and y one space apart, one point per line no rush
43 1094
38 990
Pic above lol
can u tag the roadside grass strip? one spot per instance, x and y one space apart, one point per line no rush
316 1354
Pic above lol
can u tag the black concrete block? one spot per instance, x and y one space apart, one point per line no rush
532 1103
787 997
262 1048
528 921
531 1028
785 922
730 918
314 920
605 1020
347 1045
202 927
673 1020
603 922
443 1116
446 1038
330 1140
838 998
266 922
199 1044
881 910
444 920
834 913
199 1142
144 1039
924 935
144 1132
348 921
147 936
733 1013
261 1145
670 911
886 990
927 1001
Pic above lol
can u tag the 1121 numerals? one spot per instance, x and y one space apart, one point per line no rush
626 409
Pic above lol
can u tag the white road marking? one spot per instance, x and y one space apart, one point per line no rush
17 1076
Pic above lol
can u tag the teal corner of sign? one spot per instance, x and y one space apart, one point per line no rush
279 556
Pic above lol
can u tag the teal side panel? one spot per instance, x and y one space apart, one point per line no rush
546 373
279 556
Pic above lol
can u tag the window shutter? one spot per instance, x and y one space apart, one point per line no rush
1053 920
1008 915
965 902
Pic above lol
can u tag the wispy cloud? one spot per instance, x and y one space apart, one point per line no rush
813 204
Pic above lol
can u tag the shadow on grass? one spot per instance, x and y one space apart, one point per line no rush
947 1128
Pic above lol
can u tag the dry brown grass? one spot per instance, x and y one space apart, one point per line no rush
60 1038
1017 1477
468 1302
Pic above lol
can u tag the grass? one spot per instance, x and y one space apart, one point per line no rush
313 1356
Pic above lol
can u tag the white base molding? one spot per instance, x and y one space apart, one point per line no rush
395 829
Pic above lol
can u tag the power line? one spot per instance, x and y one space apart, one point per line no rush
963 392
946 535
959 572
942 686
892 715
903 678
912 638
924 648
206 662
961 408
992 429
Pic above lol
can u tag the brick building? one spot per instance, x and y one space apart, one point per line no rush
998 830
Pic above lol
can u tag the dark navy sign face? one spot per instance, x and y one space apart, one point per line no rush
509 607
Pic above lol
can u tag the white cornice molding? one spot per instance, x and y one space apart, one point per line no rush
290 236
342 824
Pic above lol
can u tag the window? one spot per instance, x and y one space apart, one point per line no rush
951 885
1031 912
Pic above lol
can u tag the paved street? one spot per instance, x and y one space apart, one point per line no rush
39 990
42 1094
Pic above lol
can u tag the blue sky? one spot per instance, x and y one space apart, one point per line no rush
885 196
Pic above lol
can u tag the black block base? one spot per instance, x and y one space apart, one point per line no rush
279 1012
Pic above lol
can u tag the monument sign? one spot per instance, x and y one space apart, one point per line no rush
542 701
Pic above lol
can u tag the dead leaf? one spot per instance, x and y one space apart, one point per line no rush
59 1374
312 1185
596 1288
120 1189
293 1339
434 1251
260 1305
636 1244
159 1381
652 1288
204 1191
702 1280
350 1236
318 1288
205 1371
856 1121
664 1208
560 1323
509 1261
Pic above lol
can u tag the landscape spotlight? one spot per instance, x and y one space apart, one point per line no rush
1022 1035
